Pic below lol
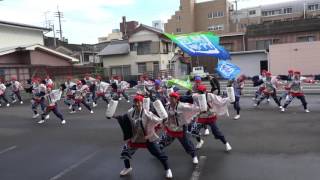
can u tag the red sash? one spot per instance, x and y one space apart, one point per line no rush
176 134
137 145
207 120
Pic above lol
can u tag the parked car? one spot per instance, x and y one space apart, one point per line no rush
199 71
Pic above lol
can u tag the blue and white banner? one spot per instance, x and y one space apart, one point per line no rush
228 70
200 44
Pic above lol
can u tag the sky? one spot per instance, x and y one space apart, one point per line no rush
86 20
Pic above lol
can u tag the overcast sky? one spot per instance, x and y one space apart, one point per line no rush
86 20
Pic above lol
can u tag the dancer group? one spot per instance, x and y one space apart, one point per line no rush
160 111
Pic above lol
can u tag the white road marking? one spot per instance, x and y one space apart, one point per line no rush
72 167
8 149
197 170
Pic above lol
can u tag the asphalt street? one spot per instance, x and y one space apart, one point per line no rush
267 145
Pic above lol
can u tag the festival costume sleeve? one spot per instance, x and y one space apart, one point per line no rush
218 104
151 122
187 112
125 125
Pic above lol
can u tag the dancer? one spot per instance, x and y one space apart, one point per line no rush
80 97
3 94
70 88
138 126
121 90
16 88
102 88
297 92
180 115
51 99
38 93
269 88
216 106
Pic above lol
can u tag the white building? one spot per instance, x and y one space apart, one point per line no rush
114 35
158 24
147 51
16 34
250 62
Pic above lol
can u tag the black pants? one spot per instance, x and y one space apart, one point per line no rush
153 148
55 110
273 95
103 98
185 141
17 93
4 98
302 99
215 131
236 105
81 102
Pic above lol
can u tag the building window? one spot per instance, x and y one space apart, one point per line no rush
123 71
217 14
313 7
228 46
263 44
142 68
179 18
144 48
156 67
133 47
243 26
272 12
306 38
178 30
219 27
287 11
252 12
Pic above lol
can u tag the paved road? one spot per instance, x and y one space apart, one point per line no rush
267 145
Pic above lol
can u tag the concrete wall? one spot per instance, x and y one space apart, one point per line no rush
13 36
299 56
249 63
43 58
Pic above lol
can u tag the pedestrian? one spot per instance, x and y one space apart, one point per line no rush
215 85
238 86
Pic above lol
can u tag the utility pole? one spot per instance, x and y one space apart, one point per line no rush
59 15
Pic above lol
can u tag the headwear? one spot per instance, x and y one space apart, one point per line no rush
79 82
268 74
197 79
13 78
138 98
264 71
175 95
49 86
297 72
157 82
98 78
290 71
202 88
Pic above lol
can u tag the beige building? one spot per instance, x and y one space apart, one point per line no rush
114 35
221 16
301 56
204 16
